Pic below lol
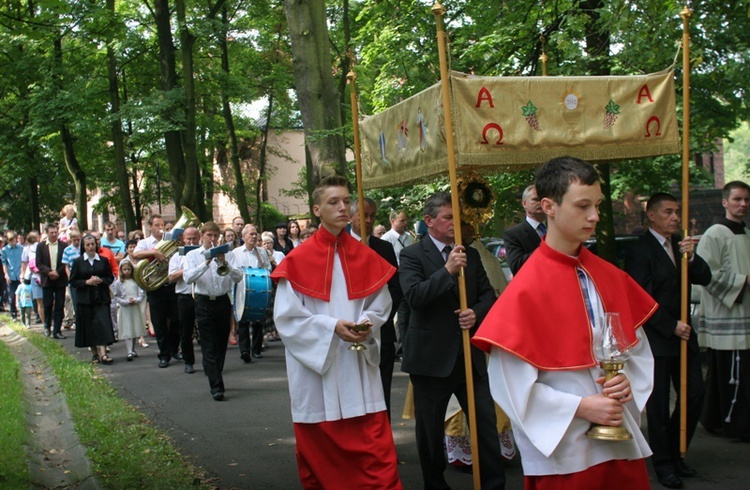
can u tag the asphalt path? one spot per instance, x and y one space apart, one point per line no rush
247 441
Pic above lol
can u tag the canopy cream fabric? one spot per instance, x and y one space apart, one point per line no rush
507 123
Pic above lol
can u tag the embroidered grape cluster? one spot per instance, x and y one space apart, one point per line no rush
529 112
610 117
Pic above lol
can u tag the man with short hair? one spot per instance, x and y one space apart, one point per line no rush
251 256
163 301
724 327
398 236
111 242
433 353
521 240
238 225
653 261
387 331
540 335
344 438
11 259
212 304
54 280
185 301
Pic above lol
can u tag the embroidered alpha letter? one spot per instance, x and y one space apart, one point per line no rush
484 94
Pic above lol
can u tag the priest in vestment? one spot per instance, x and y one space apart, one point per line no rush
328 288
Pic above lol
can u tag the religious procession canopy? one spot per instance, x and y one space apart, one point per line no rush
510 123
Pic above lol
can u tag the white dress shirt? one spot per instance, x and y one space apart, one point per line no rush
257 257
177 263
211 284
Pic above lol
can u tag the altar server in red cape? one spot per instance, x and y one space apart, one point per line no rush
326 287
539 334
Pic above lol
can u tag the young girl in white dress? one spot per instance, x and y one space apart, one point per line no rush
129 296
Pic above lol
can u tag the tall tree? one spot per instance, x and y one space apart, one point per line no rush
316 89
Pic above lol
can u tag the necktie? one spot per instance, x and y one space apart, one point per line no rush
541 229
446 252
586 298
670 252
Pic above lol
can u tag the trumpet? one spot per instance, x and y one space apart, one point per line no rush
222 266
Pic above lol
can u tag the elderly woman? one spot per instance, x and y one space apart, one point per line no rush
267 242
91 276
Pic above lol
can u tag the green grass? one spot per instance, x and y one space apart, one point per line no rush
125 448
14 468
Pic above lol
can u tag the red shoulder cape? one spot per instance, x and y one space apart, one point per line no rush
541 316
309 267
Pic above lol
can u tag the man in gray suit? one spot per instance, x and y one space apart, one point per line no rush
433 354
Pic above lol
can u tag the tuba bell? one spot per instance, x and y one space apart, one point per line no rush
151 274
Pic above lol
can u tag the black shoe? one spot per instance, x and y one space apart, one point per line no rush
670 480
245 356
189 369
682 469
59 336
177 356
258 356
46 332
130 356
163 363
218 396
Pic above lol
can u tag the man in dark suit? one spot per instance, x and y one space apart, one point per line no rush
387 331
521 240
54 280
433 353
653 262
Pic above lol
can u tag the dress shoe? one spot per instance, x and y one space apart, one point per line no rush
189 369
163 363
682 469
177 356
46 332
245 356
59 336
218 396
670 480
258 356
130 356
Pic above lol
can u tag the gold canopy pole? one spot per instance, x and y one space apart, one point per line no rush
685 14
439 11
352 78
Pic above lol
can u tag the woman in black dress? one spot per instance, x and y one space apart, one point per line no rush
91 276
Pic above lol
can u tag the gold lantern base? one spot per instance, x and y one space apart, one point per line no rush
606 432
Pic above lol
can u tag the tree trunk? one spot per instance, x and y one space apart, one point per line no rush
117 135
168 81
261 189
234 151
316 89
597 46
34 195
69 154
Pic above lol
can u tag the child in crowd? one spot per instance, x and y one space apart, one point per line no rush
67 221
129 296
24 302
129 248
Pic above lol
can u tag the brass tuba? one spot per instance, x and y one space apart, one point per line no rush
151 274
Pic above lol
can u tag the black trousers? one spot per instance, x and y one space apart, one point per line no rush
254 345
431 397
162 304
213 326
186 311
387 359
12 287
54 300
663 427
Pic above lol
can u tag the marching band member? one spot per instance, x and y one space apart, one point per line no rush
251 256
212 305
185 301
